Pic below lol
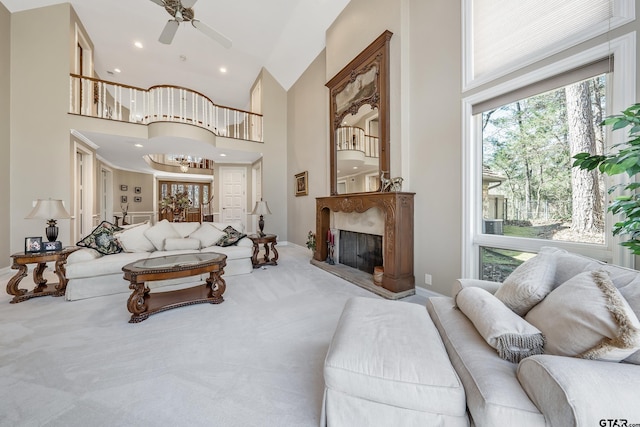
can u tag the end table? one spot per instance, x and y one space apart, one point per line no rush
42 288
268 240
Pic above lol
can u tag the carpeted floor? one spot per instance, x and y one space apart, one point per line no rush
254 360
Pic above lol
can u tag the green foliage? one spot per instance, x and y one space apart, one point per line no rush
311 241
175 203
624 158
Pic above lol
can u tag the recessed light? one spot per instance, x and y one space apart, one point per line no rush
355 167
138 45
117 70
138 145
223 70
223 155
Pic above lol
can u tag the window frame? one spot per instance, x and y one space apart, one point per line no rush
621 89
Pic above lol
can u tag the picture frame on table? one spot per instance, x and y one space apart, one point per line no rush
124 187
301 187
32 244
52 246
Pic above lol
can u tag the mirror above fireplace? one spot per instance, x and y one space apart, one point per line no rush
359 120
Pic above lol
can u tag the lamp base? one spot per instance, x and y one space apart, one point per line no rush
52 233
261 227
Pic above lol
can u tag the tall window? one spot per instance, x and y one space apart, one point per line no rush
198 191
521 191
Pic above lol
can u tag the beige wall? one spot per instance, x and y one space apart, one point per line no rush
132 180
308 150
5 111
40 141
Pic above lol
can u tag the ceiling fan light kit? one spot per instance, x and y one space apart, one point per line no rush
181 11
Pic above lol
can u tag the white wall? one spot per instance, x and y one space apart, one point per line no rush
5 112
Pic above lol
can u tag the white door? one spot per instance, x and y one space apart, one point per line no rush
233 195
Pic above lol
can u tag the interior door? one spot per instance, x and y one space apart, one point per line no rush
233 194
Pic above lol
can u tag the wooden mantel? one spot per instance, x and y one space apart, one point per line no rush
397 242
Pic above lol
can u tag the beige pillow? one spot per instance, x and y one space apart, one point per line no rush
529 283
587 317
208 235
160 232
173 244
184 229
222 225
134 240
512 336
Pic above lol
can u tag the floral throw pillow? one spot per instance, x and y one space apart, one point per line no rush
101 239
231 237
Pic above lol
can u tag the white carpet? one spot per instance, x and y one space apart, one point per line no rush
254 360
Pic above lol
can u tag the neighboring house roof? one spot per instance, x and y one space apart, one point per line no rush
490 176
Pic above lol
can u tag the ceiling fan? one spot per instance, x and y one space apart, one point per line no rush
181 11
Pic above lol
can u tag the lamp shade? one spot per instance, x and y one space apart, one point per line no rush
48 209
261 208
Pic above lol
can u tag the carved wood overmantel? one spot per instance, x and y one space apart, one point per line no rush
397 242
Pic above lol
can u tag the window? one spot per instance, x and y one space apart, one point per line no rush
521 192
198 191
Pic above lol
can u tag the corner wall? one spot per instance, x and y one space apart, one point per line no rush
5 134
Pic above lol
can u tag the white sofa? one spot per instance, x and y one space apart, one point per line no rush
398 379
91 274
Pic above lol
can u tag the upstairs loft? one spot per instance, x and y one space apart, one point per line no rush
161 112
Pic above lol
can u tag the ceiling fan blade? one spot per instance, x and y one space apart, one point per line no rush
158 2
210 32
188 3
169 32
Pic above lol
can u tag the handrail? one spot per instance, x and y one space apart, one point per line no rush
93 97
355 138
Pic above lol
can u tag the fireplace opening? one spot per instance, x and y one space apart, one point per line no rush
360 250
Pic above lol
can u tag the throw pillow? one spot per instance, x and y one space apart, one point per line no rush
159 232
185 229
512 336
222 225
133 239
174 244
587 317
231 237
529 283
208 235
102 240
631 293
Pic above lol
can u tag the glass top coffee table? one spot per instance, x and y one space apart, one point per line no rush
142 303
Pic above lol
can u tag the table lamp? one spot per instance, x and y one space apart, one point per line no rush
261 209
49 210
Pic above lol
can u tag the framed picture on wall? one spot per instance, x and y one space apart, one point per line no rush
124 188
123 199
137 199
301 184
137 190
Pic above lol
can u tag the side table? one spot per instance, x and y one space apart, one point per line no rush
269 242
42 288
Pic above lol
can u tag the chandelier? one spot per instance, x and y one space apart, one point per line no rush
184 165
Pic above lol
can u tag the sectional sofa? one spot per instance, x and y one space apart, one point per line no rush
96 269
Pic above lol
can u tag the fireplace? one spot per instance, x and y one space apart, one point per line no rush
361 251
398 280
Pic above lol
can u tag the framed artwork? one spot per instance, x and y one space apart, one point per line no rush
137 190
301 184
137 199
123 199
52 246
33 244
124 188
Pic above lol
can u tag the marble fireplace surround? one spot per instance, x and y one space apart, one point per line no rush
398 280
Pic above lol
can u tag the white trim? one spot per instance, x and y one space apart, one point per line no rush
623 89
623 13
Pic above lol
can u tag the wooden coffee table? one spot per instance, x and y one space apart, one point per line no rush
142 303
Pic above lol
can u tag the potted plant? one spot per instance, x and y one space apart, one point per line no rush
176 204
311 241
623 158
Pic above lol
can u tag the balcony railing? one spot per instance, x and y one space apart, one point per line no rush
93 97
354 138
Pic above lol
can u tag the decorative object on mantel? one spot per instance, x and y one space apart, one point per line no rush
390 184
177 204
50 210
301 184
311 241
261 208
330 247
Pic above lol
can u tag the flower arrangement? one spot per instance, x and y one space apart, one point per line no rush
311 241
175 203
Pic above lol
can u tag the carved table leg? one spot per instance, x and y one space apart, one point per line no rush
61 272
275 253
217 286
266 252
38 279
137 303
254 256
12 286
